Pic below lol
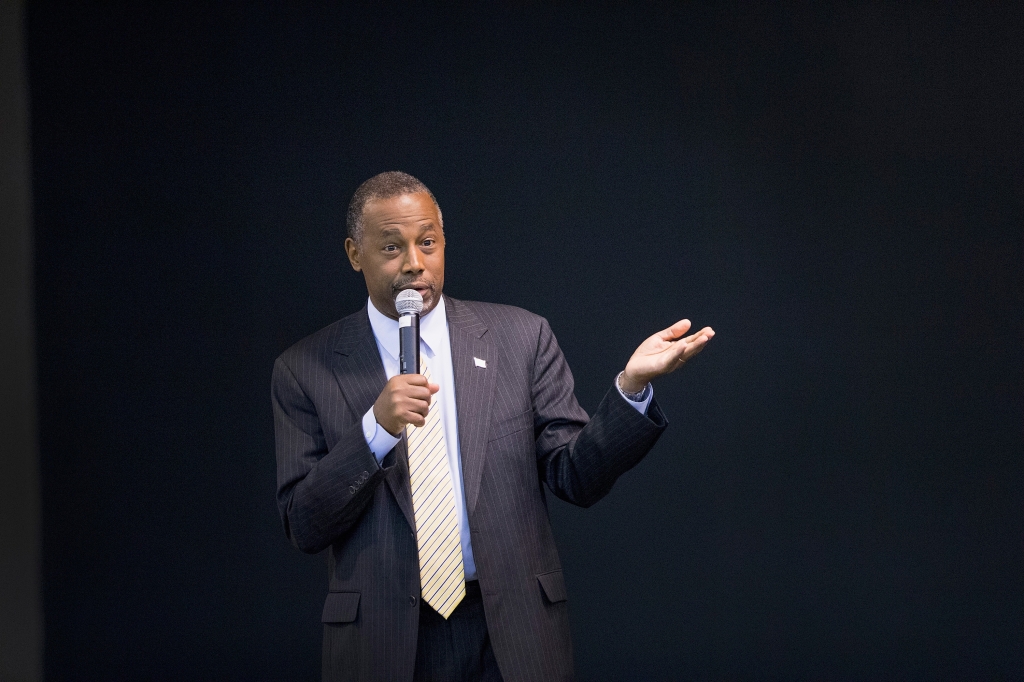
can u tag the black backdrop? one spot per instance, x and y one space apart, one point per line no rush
839 192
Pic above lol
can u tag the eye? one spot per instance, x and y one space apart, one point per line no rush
429 241
390 248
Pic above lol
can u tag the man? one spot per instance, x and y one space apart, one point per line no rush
427 488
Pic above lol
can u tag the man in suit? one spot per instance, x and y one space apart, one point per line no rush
428 488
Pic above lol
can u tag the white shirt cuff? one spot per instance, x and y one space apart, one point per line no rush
641 406
377 437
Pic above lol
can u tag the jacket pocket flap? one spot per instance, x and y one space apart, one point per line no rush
510 425
553 585
341 607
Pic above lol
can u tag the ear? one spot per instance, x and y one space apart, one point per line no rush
352 250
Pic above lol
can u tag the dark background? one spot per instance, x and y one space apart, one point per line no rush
838 191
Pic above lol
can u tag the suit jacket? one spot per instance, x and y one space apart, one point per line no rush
519 428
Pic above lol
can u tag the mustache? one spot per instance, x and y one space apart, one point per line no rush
409 284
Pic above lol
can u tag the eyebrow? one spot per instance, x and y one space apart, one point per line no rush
389 231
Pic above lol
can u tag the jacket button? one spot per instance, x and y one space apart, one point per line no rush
412 600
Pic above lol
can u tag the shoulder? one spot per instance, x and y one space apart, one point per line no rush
503 321
321 343
496 315
513 329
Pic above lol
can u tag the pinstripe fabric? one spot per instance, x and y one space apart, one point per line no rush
519 426
442 575
457 649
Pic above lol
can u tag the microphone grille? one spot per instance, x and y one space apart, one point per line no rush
409 301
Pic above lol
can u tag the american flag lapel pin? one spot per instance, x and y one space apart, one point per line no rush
480 363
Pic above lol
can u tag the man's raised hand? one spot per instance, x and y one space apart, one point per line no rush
661 353
404 400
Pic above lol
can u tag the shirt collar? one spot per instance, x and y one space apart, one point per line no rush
433 329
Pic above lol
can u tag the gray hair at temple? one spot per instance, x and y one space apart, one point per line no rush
382 186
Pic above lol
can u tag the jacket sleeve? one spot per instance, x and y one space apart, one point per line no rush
580 458
321 492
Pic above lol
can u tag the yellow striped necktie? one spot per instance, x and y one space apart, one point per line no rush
442 576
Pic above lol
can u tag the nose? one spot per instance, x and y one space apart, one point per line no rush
413 260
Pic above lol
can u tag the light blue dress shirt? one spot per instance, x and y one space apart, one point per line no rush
436 348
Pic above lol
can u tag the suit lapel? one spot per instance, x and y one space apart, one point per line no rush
360 374
474 387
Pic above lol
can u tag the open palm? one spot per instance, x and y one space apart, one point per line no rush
663 352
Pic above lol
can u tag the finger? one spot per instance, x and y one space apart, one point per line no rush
420 407
418 393
683 346
706 331
697 347
684 349
405 380
434 388
675 331
415 419
693 348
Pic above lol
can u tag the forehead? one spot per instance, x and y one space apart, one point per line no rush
400 211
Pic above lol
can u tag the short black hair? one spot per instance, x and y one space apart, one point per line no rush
385 185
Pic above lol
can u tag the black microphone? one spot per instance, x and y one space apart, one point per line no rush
409 303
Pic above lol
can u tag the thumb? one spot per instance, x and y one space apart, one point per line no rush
676 331
434 388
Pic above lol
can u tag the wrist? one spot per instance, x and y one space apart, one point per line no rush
630 385
386 426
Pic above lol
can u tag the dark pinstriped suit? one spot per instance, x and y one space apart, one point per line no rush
519 427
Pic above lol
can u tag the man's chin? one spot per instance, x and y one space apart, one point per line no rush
430 299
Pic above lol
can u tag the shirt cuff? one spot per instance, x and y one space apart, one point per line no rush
640 405
377 437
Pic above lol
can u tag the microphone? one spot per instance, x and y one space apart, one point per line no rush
409 303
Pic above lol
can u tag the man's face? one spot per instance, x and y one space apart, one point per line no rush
402 247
